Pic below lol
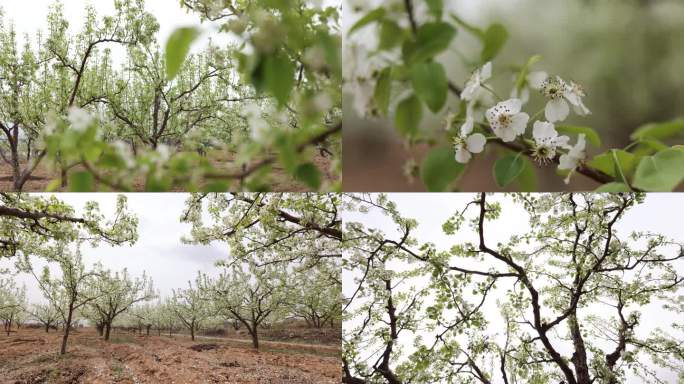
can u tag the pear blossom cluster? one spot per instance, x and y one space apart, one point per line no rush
507 120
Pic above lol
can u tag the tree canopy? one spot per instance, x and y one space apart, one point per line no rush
569 287
66 104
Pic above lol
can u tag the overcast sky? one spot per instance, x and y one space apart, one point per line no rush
661 213
158 252
30 16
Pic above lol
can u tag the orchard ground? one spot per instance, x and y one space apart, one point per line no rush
282 181
29 355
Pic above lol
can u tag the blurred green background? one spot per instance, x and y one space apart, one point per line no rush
628 55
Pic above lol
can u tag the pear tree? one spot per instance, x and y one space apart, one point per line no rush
562 299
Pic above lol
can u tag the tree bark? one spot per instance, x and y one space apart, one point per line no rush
579 358
67 328
255 338
108 329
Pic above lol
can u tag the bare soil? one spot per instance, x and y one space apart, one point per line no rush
30 356
282 181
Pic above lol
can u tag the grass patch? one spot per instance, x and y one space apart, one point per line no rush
122 339
117 369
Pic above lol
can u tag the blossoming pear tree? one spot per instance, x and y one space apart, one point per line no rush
45 314
268 228
117 292
190 306
12 303
58 74
262 102
70 289
560 301
400 75
29 222
254 296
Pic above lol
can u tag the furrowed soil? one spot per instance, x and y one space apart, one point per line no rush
282 181
30 356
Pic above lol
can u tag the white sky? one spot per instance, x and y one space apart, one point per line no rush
29 16
159 251
661 213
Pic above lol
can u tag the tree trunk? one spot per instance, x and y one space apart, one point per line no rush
47 328
192 333
100 329
579 357
255 337
148 329
67 328
108 329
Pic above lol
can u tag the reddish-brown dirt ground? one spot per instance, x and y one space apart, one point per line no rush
30 356
281 180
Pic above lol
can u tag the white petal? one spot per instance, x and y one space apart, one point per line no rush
581 143
519 123
567 162
469 90
511 105
491 115
536 79
486 71
505 134
561 141
581 109
543 130
462 156
571 96
556 110
475 143
467 127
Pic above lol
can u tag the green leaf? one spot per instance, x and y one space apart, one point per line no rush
81 181
494 39
527 181
439 169
391 35
507 169
478 32
522 75
431 39
436 7
54 186
383 89
589 133
659 131
309 175
408 115
613 187
606 163
375 15
430 84
177 49
217 186
279 77
663 171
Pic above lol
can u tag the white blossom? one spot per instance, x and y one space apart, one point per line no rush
571 160
506 120
574 94
79 118
475 82
559 94
466 143
546 141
